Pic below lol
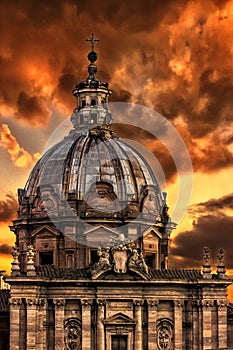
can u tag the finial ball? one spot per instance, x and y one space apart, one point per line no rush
92 56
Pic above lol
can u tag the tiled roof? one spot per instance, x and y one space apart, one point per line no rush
4 296
190 275
51 271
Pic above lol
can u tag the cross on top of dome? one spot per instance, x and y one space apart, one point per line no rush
93 41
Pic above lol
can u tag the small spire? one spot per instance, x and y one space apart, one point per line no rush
206 267
206 256
15 269
30 261
221 268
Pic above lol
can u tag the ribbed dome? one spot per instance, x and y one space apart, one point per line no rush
95 162
92 169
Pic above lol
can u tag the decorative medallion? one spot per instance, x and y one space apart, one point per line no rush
165 335
73 332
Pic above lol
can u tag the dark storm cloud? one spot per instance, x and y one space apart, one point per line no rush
213 205
8 208
66 84
32 108
5 249
169 55
229 141
212 228
218 93
133 15
209 231
120 95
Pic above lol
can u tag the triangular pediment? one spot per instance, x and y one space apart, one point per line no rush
119 318
103 230
45 230
152 231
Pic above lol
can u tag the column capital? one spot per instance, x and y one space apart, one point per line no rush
31 302
41 302
86 302
222 304
101 302
15 302
138 302
206 303
59 302
195 303
152 304
178 303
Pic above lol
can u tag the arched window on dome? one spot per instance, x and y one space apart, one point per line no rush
83 103
93 102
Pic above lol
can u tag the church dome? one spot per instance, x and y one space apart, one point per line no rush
98 169
91 169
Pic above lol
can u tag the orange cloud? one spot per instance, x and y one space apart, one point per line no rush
19 156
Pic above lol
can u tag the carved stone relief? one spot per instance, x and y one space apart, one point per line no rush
73 334
165 335
121 256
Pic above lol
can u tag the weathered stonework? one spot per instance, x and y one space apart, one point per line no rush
82 278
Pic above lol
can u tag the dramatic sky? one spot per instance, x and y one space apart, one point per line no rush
175 57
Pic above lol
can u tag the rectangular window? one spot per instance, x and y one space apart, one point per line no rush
150 260
46 258
94 256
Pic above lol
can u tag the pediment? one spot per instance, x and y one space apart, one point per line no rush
119 319
45 231
102 230
151 231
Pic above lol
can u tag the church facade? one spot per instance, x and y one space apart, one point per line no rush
90 267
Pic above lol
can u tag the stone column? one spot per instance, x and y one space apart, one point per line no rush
31 323
59 323
178 308
152 320
86 323
138 318
222 323
41 319
100 326
14 322
207 323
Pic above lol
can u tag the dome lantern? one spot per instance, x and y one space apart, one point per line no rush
92 95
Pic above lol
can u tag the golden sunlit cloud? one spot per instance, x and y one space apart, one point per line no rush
19 156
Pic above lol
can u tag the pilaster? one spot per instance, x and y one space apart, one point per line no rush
41 319
222 323
59 323
100 326
152 320
15 321
31 323
178 311
196 324
207 306
138 318
86 323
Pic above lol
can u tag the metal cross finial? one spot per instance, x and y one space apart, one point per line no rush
93 41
